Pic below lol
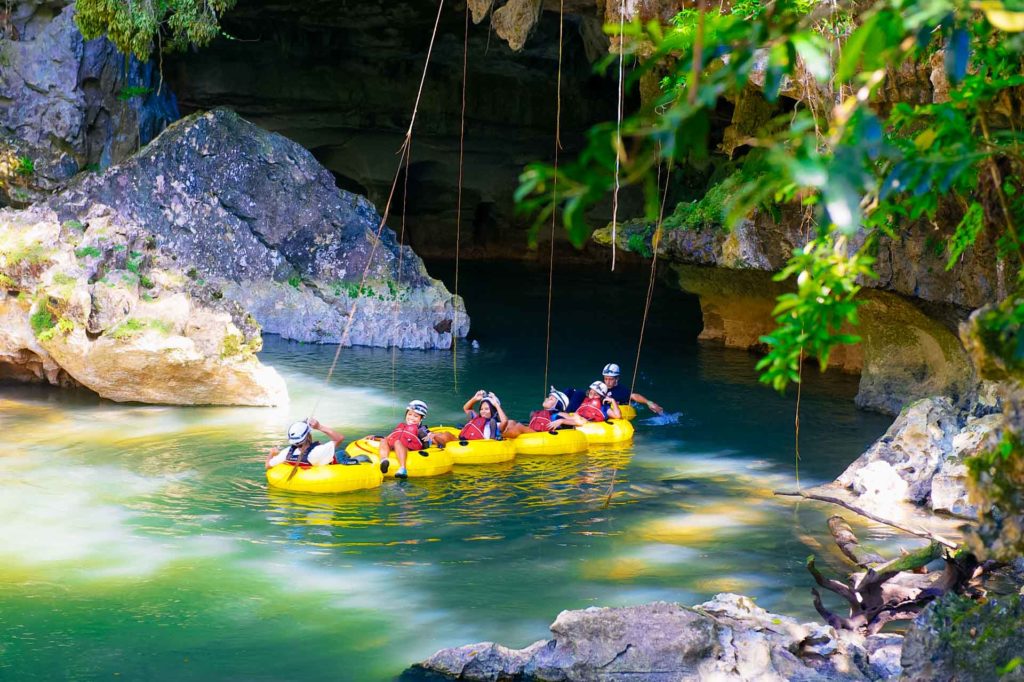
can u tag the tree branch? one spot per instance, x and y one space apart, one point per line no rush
849 545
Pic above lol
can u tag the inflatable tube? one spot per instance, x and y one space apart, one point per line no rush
418 464
628 412
478 451
560 442
330 478
610 431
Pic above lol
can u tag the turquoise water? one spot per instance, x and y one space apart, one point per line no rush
142 542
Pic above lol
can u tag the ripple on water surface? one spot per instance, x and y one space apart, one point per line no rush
143 541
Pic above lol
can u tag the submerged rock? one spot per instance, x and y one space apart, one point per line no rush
727 638
98 304
253 215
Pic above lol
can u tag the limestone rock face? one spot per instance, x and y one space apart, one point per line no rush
255 216
63 102
920 459
727 638
98 304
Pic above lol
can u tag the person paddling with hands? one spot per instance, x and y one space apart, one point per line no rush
490 422
598 406
621 394
302 449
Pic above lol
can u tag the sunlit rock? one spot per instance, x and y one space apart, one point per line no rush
728 637
98 305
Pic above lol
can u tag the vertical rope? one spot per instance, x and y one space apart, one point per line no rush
554 195
398 281
458 203
655 242
403 151
618 127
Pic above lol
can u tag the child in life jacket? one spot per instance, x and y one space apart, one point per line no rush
488 423
550 417
598 405
412 434
302 449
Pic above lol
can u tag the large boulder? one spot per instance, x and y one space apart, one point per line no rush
68 104
99 304
727 638
254 215
921 459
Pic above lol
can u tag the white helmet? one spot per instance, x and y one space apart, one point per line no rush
611 370
562 400
298 432
600 387
418 406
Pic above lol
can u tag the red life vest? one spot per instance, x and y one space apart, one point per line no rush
408 434
474 429
590 409
540 420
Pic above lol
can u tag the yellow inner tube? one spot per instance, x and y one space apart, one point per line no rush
419 463
560 442
484 451
330 478
627 411
610 431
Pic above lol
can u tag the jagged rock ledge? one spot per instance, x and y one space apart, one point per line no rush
728 638
100 305
253 215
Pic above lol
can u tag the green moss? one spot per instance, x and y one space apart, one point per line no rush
6 282
74 225
235 346
979 639
88 252
41 320
295 281
29 254
129 91
64 279
134 325
64 326
26 166
712 210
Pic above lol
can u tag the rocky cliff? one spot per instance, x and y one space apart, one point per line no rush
97 303
67 104
254 216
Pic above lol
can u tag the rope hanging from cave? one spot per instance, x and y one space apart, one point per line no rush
554 195
618 127
403 154
655 242
458 204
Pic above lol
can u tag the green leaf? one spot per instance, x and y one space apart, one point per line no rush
853 50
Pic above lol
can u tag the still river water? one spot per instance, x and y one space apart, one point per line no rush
142 542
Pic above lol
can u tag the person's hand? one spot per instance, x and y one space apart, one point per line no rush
480 395
655 407
494 399
314 423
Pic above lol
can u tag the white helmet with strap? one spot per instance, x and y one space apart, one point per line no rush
611 370
418 406
600 387
561 399
298 432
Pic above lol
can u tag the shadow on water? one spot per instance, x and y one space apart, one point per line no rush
143 541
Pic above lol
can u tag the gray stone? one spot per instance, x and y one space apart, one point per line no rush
901 464
255 216
884 651
727 638
62 101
